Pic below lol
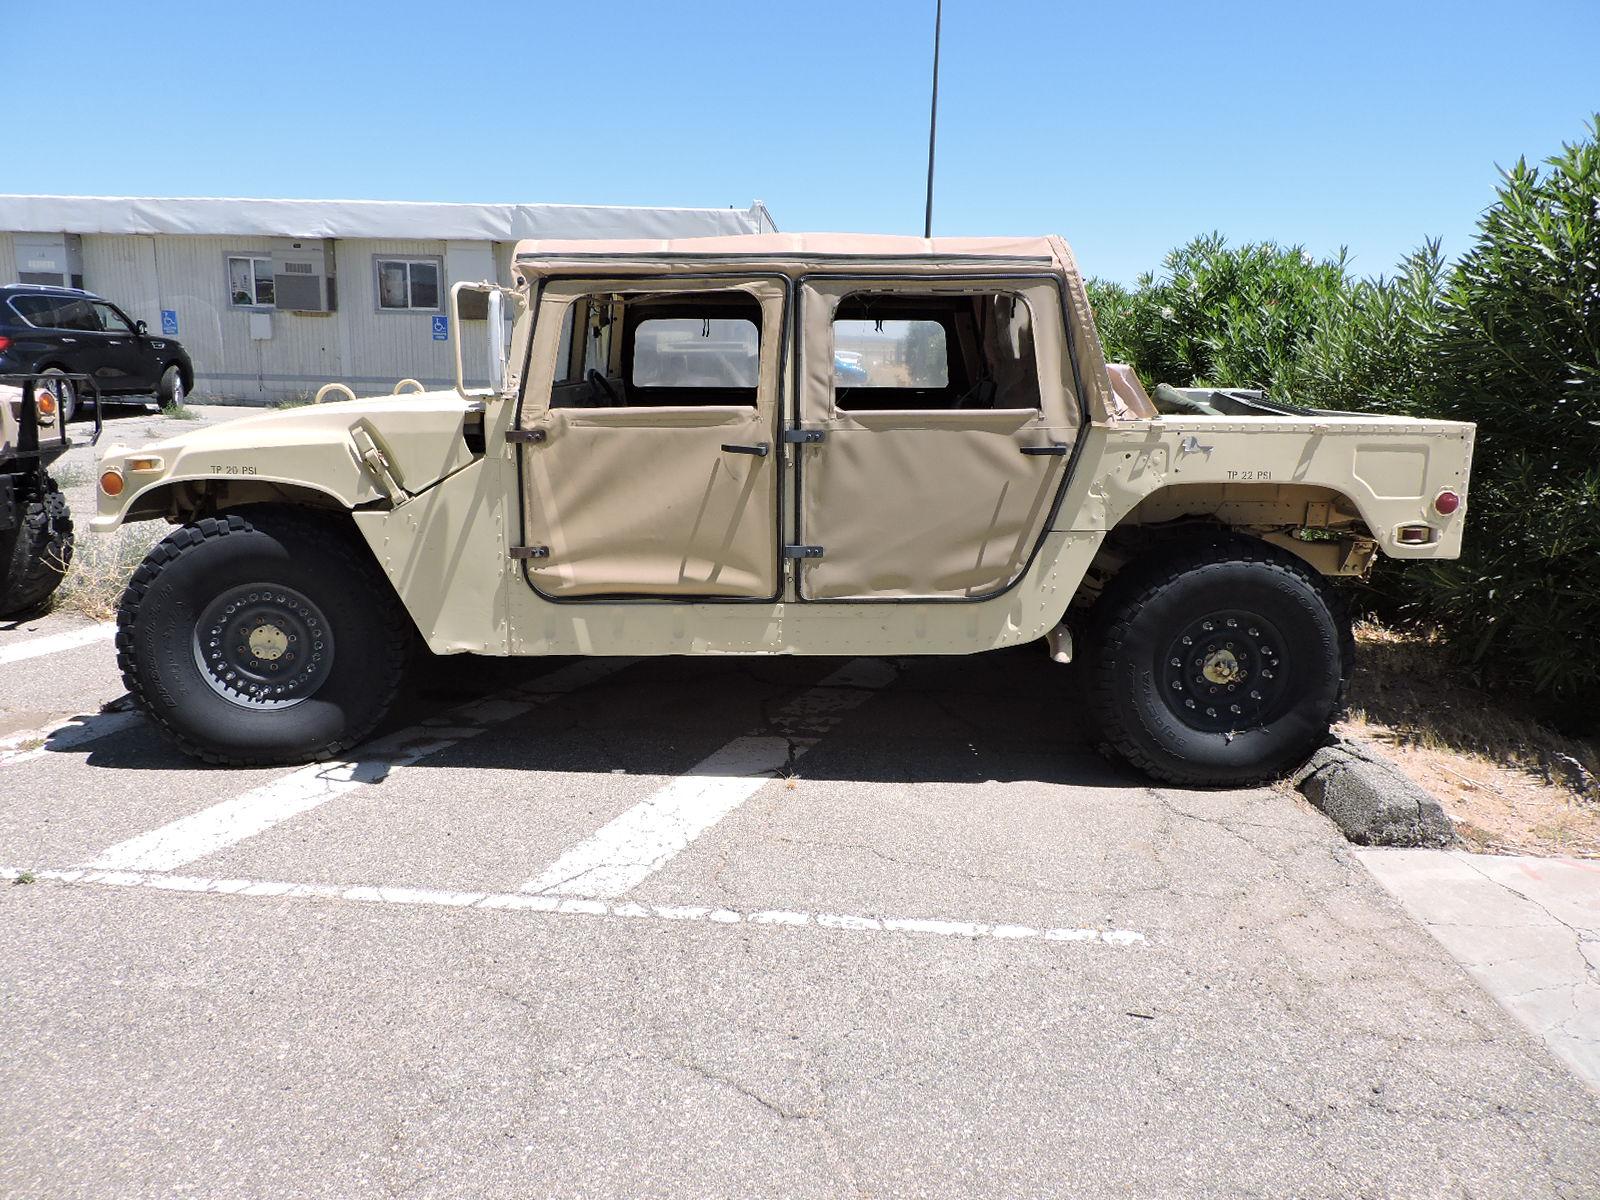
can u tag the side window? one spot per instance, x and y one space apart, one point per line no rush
899 351
76 314
689 352
38 311
111 320
408 284
249 281
664 349
890 354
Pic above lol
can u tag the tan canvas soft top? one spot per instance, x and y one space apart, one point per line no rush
798 253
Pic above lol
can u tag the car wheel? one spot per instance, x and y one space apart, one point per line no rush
169 390
35 555
1221 663
65 392
262 636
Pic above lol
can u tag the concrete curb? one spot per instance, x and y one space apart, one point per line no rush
1371 800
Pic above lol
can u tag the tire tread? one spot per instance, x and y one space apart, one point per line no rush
303 528
1135 586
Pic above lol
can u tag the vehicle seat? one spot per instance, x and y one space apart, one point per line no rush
1129 399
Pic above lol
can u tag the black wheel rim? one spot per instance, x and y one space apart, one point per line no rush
263 646
1226 671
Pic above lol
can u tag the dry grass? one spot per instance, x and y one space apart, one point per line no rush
101 566
1511 784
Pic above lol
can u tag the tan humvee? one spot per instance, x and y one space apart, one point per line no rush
789 444
35 524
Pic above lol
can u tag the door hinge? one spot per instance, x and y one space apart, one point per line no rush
792 436
530 552
802 551
525 435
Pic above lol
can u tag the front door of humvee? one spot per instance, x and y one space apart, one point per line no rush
649 453
943 414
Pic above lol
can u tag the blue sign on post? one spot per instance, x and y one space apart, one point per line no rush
169 322
441 328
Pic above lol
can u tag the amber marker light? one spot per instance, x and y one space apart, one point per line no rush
111 482
143 464
1446 502
45 403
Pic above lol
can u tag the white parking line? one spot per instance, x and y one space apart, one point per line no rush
67 734
232 821
555 905
57 642
650 834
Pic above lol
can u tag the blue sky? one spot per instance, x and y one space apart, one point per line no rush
1127 127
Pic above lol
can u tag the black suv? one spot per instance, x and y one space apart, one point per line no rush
58 330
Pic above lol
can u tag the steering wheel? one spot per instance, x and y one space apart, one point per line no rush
601 385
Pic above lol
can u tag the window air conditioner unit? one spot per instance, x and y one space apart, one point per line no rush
303 276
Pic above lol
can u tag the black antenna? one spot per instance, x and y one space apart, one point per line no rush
933 116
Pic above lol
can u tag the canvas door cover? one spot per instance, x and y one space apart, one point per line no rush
643 500
934 503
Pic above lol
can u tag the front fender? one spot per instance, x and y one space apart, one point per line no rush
322 449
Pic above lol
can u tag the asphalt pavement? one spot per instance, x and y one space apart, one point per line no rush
719 927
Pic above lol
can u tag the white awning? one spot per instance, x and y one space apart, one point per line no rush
219 217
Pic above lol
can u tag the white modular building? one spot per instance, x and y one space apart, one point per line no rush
273 298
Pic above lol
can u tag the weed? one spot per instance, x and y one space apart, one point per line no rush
180 412
101 567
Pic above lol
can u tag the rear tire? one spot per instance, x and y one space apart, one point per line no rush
1218 663
264 636
65 392
34 556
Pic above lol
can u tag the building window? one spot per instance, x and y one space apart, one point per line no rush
408 284
249 282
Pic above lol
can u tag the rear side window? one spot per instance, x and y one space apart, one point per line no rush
890 354
696 352
56 312
905 352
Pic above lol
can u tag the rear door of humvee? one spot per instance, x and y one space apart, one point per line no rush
649 431
939 418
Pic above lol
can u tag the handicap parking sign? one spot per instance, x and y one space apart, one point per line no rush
441 328
169 322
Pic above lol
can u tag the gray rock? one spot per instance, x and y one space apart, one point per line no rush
1371 801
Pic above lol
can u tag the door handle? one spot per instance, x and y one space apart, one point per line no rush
1056 448
760 449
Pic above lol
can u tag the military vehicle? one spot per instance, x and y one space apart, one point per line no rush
35 523
669 461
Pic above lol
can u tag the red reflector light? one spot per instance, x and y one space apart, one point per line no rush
1446 502
4 342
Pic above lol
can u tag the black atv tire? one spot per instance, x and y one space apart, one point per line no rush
219 606
35 555
1218 662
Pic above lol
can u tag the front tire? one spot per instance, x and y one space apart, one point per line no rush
1221 663
264 636
35 555
170 391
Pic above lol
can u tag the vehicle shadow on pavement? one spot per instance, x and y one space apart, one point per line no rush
1006 716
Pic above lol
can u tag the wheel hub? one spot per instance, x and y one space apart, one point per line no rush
1221 666
268 643
1225 672
263 646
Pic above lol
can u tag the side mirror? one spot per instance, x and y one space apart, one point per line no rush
497 340
141 328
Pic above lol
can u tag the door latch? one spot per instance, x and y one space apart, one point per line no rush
802 551
523 552
796 436
525 436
